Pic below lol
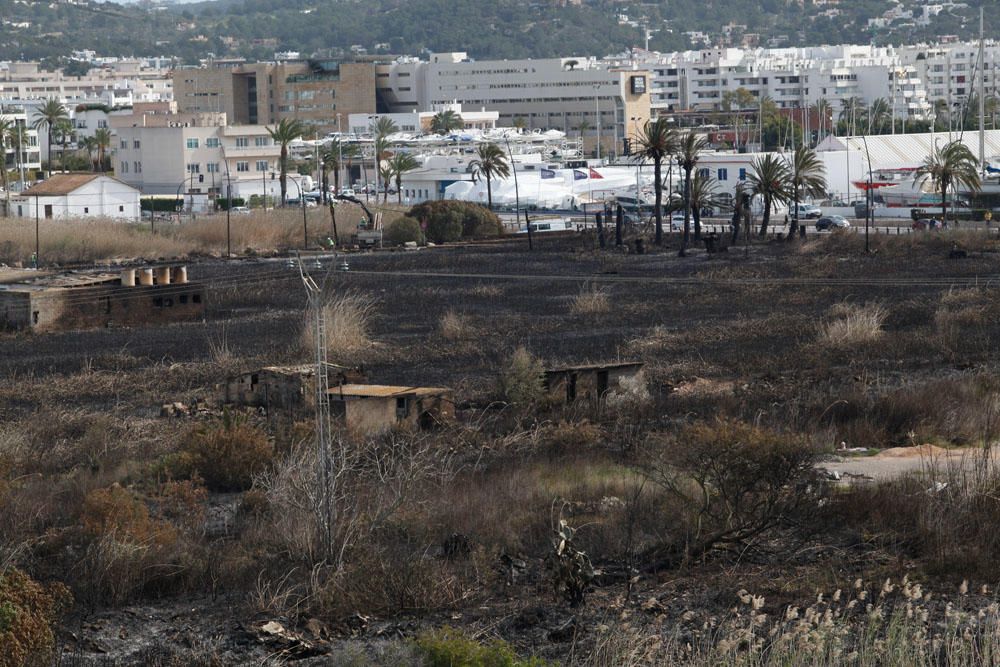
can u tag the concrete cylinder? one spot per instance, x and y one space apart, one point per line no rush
145 276
162 275
179 274
128 278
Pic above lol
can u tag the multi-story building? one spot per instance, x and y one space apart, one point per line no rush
319 93
420 121
949 72
29 158
552 93
195 154
791 77
121 83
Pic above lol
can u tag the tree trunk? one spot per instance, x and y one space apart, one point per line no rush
793 222
48 133
944 201
489 194
600 229
283 169
658 190
619 221
687 212
766 218
333 223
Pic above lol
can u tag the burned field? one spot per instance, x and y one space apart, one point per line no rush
686 500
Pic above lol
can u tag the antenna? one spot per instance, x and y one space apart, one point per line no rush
314 295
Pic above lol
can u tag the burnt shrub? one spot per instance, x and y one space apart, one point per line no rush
28 612
451 220
226 455
402 230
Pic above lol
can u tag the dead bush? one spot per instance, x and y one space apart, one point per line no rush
730 485
521 379
347 317
569 437
454 326
852 324
591 300
226 455
127 548
28 615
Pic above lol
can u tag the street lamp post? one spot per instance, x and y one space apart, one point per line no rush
517 196
597 107
305 225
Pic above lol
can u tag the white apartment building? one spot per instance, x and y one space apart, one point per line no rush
949 71
196 154
550 93
29 158
420 121
119 84
792 77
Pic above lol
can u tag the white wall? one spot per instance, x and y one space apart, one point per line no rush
101 198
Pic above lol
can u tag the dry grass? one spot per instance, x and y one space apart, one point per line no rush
591 300
74 241
455 326
852 324
348 319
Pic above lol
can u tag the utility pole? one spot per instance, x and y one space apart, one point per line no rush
314 296
981 75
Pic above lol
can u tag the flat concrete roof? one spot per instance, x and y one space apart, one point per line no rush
384 391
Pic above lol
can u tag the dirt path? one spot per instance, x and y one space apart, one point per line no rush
927 459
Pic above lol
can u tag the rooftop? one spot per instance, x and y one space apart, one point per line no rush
62 184
384 391
596 367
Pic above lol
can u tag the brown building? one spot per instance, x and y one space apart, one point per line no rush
315 92
588 382
370 408
87 300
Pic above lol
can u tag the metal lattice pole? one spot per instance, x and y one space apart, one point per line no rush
324 455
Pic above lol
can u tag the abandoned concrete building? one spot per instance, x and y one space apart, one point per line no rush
42 301
588 382
368 408
283 387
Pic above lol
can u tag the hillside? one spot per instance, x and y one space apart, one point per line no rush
496 29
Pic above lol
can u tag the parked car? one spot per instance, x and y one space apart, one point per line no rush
807 211
240 209
832 222
677 222
347 192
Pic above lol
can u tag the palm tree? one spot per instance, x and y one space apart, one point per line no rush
879 115
102 139
16 138
382 128
519 123
49 114
63 133
807 176
689 151
851 109
285 132
348 152
400 164
446 121
491 161
950 165
385 173
703 195
89 144
6 125
769 179
656 141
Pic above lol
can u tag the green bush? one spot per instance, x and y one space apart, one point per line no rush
448 647
402 230
222 203
159 205
451 220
